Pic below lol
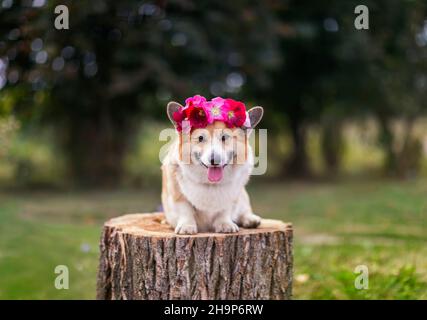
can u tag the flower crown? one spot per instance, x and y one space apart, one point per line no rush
198 113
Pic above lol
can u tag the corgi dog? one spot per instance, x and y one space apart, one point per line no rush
205 172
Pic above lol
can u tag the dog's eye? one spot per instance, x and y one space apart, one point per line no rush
224 137
201 138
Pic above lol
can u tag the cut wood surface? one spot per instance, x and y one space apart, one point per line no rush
142 258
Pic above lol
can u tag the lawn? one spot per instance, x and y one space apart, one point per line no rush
338 226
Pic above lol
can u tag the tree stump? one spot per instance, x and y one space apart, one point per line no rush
142 258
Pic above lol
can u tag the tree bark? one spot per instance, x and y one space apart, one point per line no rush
386 139
297 166
332 144
96 148
142 258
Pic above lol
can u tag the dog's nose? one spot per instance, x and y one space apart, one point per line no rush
215 159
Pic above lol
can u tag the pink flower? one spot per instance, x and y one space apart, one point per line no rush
198 117
194 114
217 109
198 113
195 101
235 113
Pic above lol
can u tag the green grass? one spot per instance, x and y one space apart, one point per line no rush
380 224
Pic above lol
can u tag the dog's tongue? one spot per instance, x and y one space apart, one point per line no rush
215 174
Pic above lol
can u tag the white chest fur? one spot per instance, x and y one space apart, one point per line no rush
213 198
210 198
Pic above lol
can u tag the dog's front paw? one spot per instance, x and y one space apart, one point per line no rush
186 229
249 221
226 227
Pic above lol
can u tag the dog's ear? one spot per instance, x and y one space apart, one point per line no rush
255 115
171 108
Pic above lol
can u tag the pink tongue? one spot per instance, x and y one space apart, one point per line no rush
215 174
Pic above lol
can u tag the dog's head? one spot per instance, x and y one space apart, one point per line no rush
215 154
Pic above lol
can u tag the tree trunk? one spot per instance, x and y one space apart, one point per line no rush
332 145
142 258
386 139
96 149
297 166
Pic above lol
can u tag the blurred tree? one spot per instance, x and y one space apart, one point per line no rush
330 71
306 82
394 73
120 62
